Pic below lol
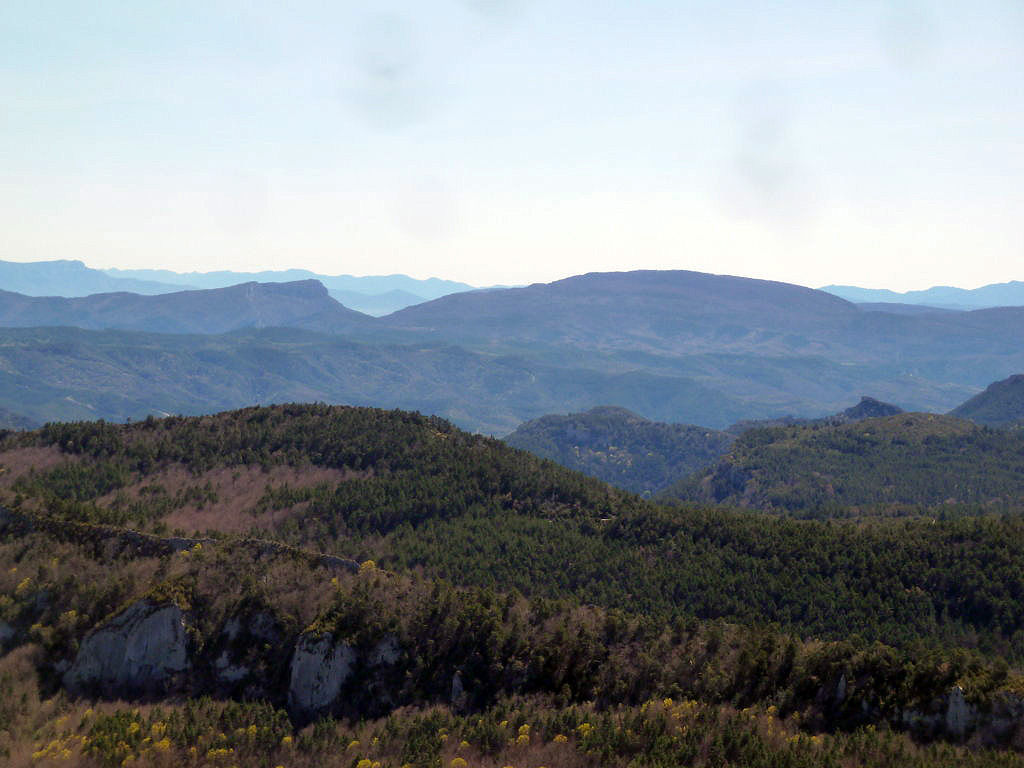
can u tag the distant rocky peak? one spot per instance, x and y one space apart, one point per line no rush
869 408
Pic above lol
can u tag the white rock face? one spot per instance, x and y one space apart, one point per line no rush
458 691
960 715
139 649
841 689
319 670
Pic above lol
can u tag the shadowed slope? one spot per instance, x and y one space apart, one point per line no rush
621 448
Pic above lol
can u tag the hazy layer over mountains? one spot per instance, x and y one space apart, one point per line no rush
384 294
304 304
378 295
674 346
1009 294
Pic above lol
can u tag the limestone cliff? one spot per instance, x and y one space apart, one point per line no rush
141 650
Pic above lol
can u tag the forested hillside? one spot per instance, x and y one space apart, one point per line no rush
645 457
621 448
903 464
414 492
500 596
67 374
433 675
1000 405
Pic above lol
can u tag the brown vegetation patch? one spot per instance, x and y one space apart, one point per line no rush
238 491
19 461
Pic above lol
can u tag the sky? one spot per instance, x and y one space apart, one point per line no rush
877 143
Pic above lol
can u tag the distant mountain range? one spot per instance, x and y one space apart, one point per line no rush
943 297
431 288
376 296
303 304
673 346
71 279
788 348
678 314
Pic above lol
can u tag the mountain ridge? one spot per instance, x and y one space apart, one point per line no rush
940 296
1000 405
71 278
754 348
302 304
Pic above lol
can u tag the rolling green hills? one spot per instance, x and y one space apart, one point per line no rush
506 610
645 457
412 492
892 465
621 448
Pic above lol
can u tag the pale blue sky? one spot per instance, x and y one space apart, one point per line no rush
510 141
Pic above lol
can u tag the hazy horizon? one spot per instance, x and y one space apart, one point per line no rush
427 276
510 141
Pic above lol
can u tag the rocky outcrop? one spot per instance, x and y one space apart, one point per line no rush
320 667
458 695
960 716
953 716
144 649
867 408
324 671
